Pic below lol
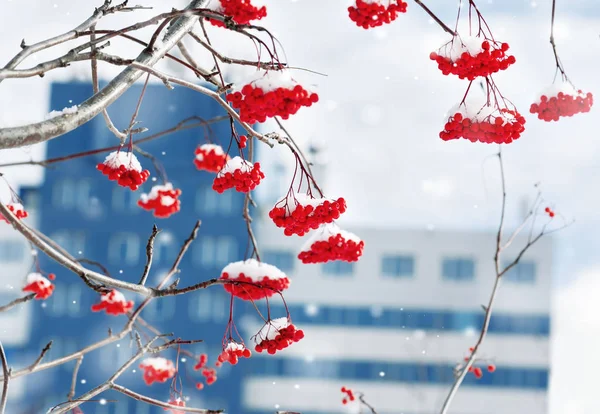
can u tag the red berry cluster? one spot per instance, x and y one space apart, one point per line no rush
17 209
210 374
306 217
478 372
163 200
243 141
549 211
285 337
210 157
256 105
157 370
232 352
251 289
552 108
348 395
242 180
498 130
490 60
178 402
373 13
241 11
123 176
336 247
38 284
113 303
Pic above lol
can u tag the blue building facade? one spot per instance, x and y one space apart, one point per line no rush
94 218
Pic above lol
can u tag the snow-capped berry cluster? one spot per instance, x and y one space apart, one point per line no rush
210 157
256 280
550 212
38 284
232 352
271 93
17 209
561 100
298 213
157 369
331 243
374 13
483 123
178 402
239 174
163 199
348 395
124 168
470 57
114 303
241 11
277 335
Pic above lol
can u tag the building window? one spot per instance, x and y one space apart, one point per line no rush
11 251
208 201
68 194
71 241
165 248
209 306
338 268
281 259
124 200
160 310
459 269
398 266
522 272
215 252
124 248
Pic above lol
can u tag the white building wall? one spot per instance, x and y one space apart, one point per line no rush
425 290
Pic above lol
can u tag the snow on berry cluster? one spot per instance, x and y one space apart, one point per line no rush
561 100
38 284
113 303
276 335
241 11
17 209
232 352
210 157
469 57
269 94
331 243
373 13
157 369
348 395
178 402
483 123
298 213
124 168
239 174
163 199
256 280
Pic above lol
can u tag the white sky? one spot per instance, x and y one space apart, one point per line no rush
382 106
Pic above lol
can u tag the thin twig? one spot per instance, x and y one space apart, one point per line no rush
435 18
149 254
166 406
6 374
17 301
74 378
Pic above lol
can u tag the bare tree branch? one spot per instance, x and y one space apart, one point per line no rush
143 398
6 374
45 130
74 378
149 254
17 301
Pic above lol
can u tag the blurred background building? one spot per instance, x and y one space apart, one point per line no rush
393 325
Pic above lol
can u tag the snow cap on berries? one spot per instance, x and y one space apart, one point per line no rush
277 334
163 199
113 303
561 100
157 369
268 94
38 284
239 174
330 242
241 11
210 157
373 13
233 351
258 280
176 402
124 167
